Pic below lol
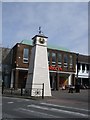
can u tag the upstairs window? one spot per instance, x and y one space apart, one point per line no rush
48 57
71 61
59 59
79 66
65 60
87 67
53 58
25 55
83 67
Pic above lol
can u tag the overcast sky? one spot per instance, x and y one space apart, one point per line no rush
65 23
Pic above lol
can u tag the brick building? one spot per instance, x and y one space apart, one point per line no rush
61 63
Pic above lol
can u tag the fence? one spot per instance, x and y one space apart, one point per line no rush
36 90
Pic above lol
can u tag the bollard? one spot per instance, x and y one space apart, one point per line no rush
43 91
11 90
21 90
2 87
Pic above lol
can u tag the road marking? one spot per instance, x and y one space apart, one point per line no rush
10 97
58 110
60 106
36 106
26 100
10 102
39 113
22 99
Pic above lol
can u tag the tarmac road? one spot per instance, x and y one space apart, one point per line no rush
72 99
62 105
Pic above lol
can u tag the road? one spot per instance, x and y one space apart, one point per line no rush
26 108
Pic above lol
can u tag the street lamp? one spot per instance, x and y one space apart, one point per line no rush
77 68
77 87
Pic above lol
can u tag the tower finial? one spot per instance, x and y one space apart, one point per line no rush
39 30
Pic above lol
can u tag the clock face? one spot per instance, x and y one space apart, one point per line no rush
41 40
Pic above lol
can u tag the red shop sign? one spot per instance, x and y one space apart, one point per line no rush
55 68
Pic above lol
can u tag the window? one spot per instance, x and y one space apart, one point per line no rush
87 68
71 61
48 57
53 58
0 66
65 60
83 67
25 55
78 66
59 59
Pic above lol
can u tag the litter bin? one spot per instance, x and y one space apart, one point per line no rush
77 88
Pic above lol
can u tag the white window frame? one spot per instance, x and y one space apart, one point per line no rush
25 60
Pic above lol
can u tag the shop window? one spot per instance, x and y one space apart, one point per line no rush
65 60
59 59
25 55
54 59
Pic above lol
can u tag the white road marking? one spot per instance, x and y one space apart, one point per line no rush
18 99
26 100
41 113
60 106
22 100
58 110
36 106
11 98
10 102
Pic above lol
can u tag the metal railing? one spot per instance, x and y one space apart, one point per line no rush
22 91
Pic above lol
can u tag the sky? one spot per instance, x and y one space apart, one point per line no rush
45 0
65 23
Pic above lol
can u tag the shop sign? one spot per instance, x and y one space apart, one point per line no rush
55 68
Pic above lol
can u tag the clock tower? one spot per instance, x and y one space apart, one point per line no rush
38 72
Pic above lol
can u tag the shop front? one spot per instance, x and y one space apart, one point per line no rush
60 79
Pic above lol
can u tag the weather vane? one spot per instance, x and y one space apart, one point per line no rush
39 30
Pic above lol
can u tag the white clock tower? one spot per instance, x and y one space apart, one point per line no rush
38 68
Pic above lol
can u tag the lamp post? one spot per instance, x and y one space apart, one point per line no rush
77 87
77 68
